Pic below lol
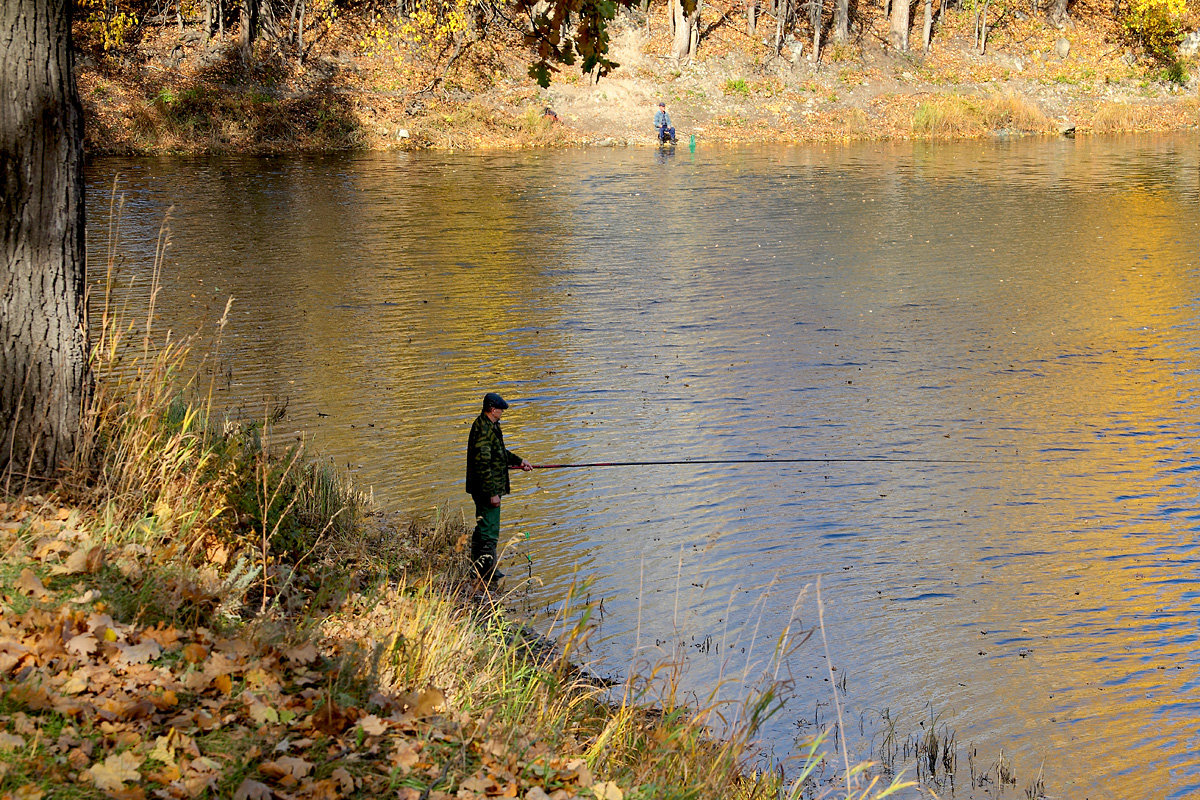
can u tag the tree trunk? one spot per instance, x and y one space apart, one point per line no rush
695 25
45 382
841 21
816 9
981 27
1058 12
898 35
782 11
249 32
751 16
927 32
685 16
300 33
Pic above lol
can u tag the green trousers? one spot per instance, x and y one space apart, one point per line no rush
486 537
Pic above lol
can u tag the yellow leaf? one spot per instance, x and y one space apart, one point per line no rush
112 774
607 790
164 750
224 684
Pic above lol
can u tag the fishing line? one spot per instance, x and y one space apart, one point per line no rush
809 460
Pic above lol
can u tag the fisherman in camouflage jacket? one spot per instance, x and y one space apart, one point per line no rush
487 480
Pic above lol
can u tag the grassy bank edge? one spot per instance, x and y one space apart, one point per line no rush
471 125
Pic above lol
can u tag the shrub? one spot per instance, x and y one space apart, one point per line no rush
1157 25
108 24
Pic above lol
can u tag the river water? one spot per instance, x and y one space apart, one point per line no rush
1021 314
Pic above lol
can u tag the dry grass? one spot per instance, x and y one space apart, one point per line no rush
962 116
1120 117
1012 111
948 116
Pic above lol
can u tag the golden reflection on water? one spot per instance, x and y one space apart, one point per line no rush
1027 307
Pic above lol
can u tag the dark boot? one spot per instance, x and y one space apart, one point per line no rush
485 568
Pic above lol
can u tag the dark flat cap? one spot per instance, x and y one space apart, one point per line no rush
493 400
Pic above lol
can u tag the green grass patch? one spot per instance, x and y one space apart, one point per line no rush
735 86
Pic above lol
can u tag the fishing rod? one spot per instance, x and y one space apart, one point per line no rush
810 460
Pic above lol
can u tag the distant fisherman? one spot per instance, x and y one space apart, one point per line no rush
662 124
487 480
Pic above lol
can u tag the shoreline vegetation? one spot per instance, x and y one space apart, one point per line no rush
198 612
455 76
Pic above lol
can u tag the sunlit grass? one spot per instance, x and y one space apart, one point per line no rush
1120 117
953 115
947 116
1013 111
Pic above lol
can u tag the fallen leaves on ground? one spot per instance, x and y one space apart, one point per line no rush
140 711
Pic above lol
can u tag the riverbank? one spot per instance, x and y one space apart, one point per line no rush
358 89
198 613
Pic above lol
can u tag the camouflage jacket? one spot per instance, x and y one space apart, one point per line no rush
488 460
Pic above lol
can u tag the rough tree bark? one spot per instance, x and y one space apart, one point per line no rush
981 30
816 9
841 21
783 13
1057 12
45 382
695 22
927 30
898 35
685 15
249 29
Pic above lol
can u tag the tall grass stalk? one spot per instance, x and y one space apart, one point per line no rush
169 477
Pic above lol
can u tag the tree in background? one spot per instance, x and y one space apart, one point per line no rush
45 382
685 26
841 21
899 24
